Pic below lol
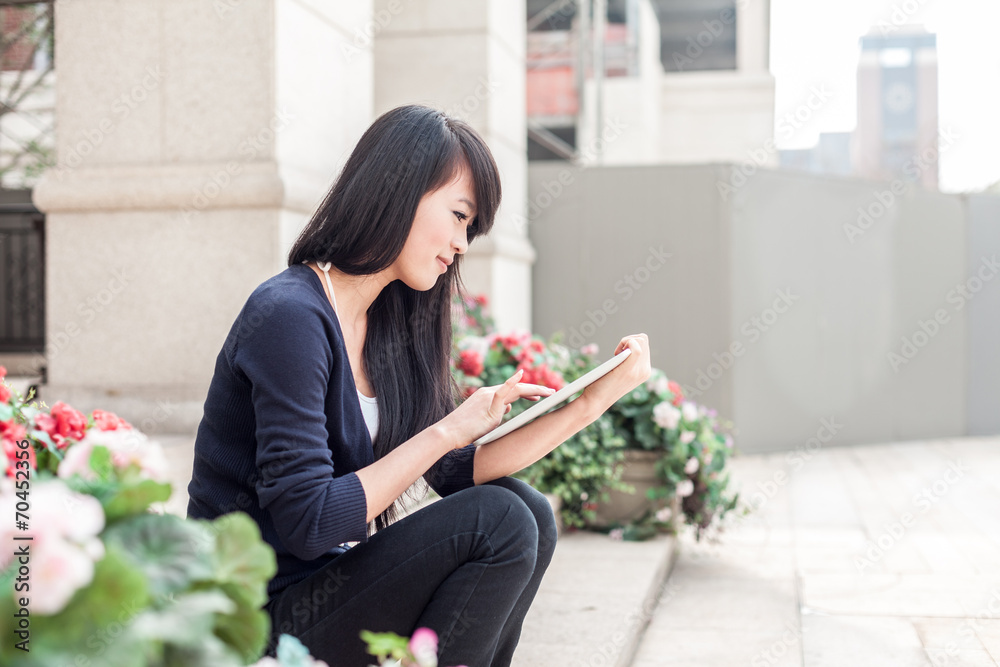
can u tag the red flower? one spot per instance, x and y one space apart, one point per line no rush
109 421
63 424
470 362
675 389
5 393
482 300
10 433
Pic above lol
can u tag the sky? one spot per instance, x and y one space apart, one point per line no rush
816 43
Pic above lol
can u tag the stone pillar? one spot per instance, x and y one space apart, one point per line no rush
466 57
195 138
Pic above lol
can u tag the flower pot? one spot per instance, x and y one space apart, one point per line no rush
639 472
556 503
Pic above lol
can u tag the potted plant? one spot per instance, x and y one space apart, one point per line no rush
676 453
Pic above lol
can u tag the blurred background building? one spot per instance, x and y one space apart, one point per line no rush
643 191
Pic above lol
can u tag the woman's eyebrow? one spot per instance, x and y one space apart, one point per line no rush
472 207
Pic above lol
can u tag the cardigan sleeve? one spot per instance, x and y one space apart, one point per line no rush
283 350
452 472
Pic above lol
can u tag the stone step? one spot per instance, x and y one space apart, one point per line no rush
595 601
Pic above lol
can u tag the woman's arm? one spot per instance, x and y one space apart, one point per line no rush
387 479
522 447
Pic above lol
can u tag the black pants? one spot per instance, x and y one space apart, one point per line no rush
467 566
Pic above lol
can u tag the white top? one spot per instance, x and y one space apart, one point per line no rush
369 405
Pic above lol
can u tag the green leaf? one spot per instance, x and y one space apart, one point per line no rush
129 499
246 629
172 552
242 557
95 625
186 620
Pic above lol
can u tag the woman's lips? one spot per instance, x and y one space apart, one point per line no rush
443 265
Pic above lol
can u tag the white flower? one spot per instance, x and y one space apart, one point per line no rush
666 416
58 570
589 349
664 515
690 411
583 495
657 382
65 525
691 467
617 534
126 446
685 488
687 437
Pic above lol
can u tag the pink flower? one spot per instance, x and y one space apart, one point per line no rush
109 421
423 645
127 447
664 515
676 390
10 434
617 534
685 488
589 349
687 437
691 467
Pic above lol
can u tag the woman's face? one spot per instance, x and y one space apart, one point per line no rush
439 232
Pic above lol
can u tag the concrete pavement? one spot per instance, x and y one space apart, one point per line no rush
882 555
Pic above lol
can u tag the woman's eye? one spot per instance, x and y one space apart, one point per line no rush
461 216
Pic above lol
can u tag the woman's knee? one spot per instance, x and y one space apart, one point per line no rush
540 508
504 515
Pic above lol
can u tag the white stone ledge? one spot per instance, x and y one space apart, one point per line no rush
230 184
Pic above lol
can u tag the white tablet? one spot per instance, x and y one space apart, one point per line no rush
549 402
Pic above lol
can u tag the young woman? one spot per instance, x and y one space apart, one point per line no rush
332 395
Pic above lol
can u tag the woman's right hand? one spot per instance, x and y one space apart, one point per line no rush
625 377
483 411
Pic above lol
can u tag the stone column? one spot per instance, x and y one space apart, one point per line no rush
466 57
195 138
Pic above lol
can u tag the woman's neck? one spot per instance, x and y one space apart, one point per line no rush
353 294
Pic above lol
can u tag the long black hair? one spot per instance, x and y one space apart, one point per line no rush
360 228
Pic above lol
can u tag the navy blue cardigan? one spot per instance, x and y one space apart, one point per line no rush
283 434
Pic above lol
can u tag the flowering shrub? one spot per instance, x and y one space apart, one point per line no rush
393 650
580 470
696 445
102 579
655 416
